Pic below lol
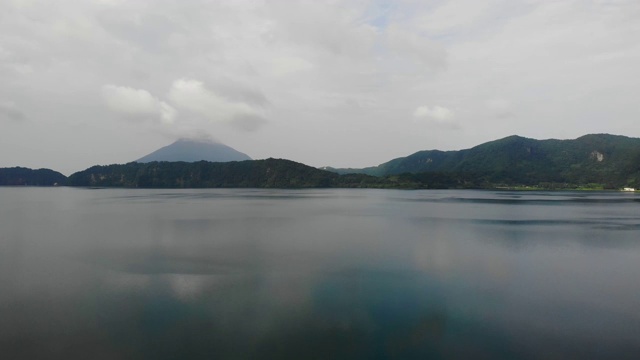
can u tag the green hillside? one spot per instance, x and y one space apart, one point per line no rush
608 160
589 162
269 173
19 176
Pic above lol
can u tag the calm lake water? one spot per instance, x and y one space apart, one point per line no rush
318 274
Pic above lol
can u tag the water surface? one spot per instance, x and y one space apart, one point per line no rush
340 274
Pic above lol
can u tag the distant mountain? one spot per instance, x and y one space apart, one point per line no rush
598 161
610 160
195 150
23 176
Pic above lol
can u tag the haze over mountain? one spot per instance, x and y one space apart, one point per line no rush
195 150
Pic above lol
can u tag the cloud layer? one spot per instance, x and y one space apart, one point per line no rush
137 102
194 96
351 83
437 115
10 112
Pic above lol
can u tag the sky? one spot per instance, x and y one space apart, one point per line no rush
349 83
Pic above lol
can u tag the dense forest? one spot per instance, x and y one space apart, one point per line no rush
269 173
279 173
19 176
600 160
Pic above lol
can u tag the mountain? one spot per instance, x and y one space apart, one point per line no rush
250 173
23 176
610 160
269 173
599 161
195 150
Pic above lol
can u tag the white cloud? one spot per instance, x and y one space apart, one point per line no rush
437 115
137 102
167 113
194 96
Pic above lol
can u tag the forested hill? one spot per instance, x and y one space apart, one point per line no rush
23 176
601 158
591 161
269 173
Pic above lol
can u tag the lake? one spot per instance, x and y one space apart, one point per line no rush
318 274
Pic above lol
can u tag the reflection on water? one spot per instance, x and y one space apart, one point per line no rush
340 274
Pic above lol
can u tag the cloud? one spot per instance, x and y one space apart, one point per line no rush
437 115
248 122
14 63
167 113
309 68
456 15
323 27
137 102
243 93
500 107
194 96
9 110
415 48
